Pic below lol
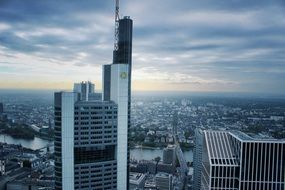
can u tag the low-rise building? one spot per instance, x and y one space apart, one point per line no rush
137 181
163 181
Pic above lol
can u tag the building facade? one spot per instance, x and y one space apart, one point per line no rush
163 181
197 157
169 155
89 155
85 143
85 89
233 160
117 87
119 94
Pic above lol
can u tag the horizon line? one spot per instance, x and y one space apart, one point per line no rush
162 91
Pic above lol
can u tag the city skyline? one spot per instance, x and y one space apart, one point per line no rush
30 116
185 46
113 124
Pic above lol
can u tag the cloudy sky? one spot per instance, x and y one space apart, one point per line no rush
182 45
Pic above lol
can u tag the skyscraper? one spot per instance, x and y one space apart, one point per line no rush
197 157
117 87
123 55
233 160
124 52
85 89
85 143
87 154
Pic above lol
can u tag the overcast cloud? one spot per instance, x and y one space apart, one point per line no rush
205 45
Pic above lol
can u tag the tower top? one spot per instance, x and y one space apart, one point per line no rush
117 19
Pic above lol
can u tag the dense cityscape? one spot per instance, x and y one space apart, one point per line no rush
152 116
116 138
153 121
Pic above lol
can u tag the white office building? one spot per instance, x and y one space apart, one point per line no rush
233 160
118 84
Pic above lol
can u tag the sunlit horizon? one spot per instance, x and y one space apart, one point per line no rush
187 46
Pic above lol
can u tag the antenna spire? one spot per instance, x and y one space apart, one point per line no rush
117 18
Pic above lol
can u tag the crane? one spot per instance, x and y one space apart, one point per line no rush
117 18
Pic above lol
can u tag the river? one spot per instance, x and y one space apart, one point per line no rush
149 154
34 144
136 153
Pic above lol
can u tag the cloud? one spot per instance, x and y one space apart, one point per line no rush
207 43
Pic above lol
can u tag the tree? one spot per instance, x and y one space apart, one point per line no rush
157 159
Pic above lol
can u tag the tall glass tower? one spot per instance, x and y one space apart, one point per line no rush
91 136
117 88
85 143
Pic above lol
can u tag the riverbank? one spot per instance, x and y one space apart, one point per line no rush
26 135
142 153
34 144
138 152
161 146
147 147
22 131
18 132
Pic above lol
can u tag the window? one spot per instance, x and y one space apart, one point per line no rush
93 154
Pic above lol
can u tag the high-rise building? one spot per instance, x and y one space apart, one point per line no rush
85 89
91 137
163 181
117 87
169 155
197 157
233 160
85 143
119 94
123 55
124 52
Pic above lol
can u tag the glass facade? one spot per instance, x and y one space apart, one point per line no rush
232 160
124 53
94 145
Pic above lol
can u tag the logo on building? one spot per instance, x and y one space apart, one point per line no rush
123 75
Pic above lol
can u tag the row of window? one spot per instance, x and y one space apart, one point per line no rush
95 187
94 166
94 137
95 132
94 142
93 122
95 118
99 173
95 113
96 127
93 107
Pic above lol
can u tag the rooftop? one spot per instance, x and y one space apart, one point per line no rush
241 136
136 178
244 137
97 102
220 149
223 149
162 174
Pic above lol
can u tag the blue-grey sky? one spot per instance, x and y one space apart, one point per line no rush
186 45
